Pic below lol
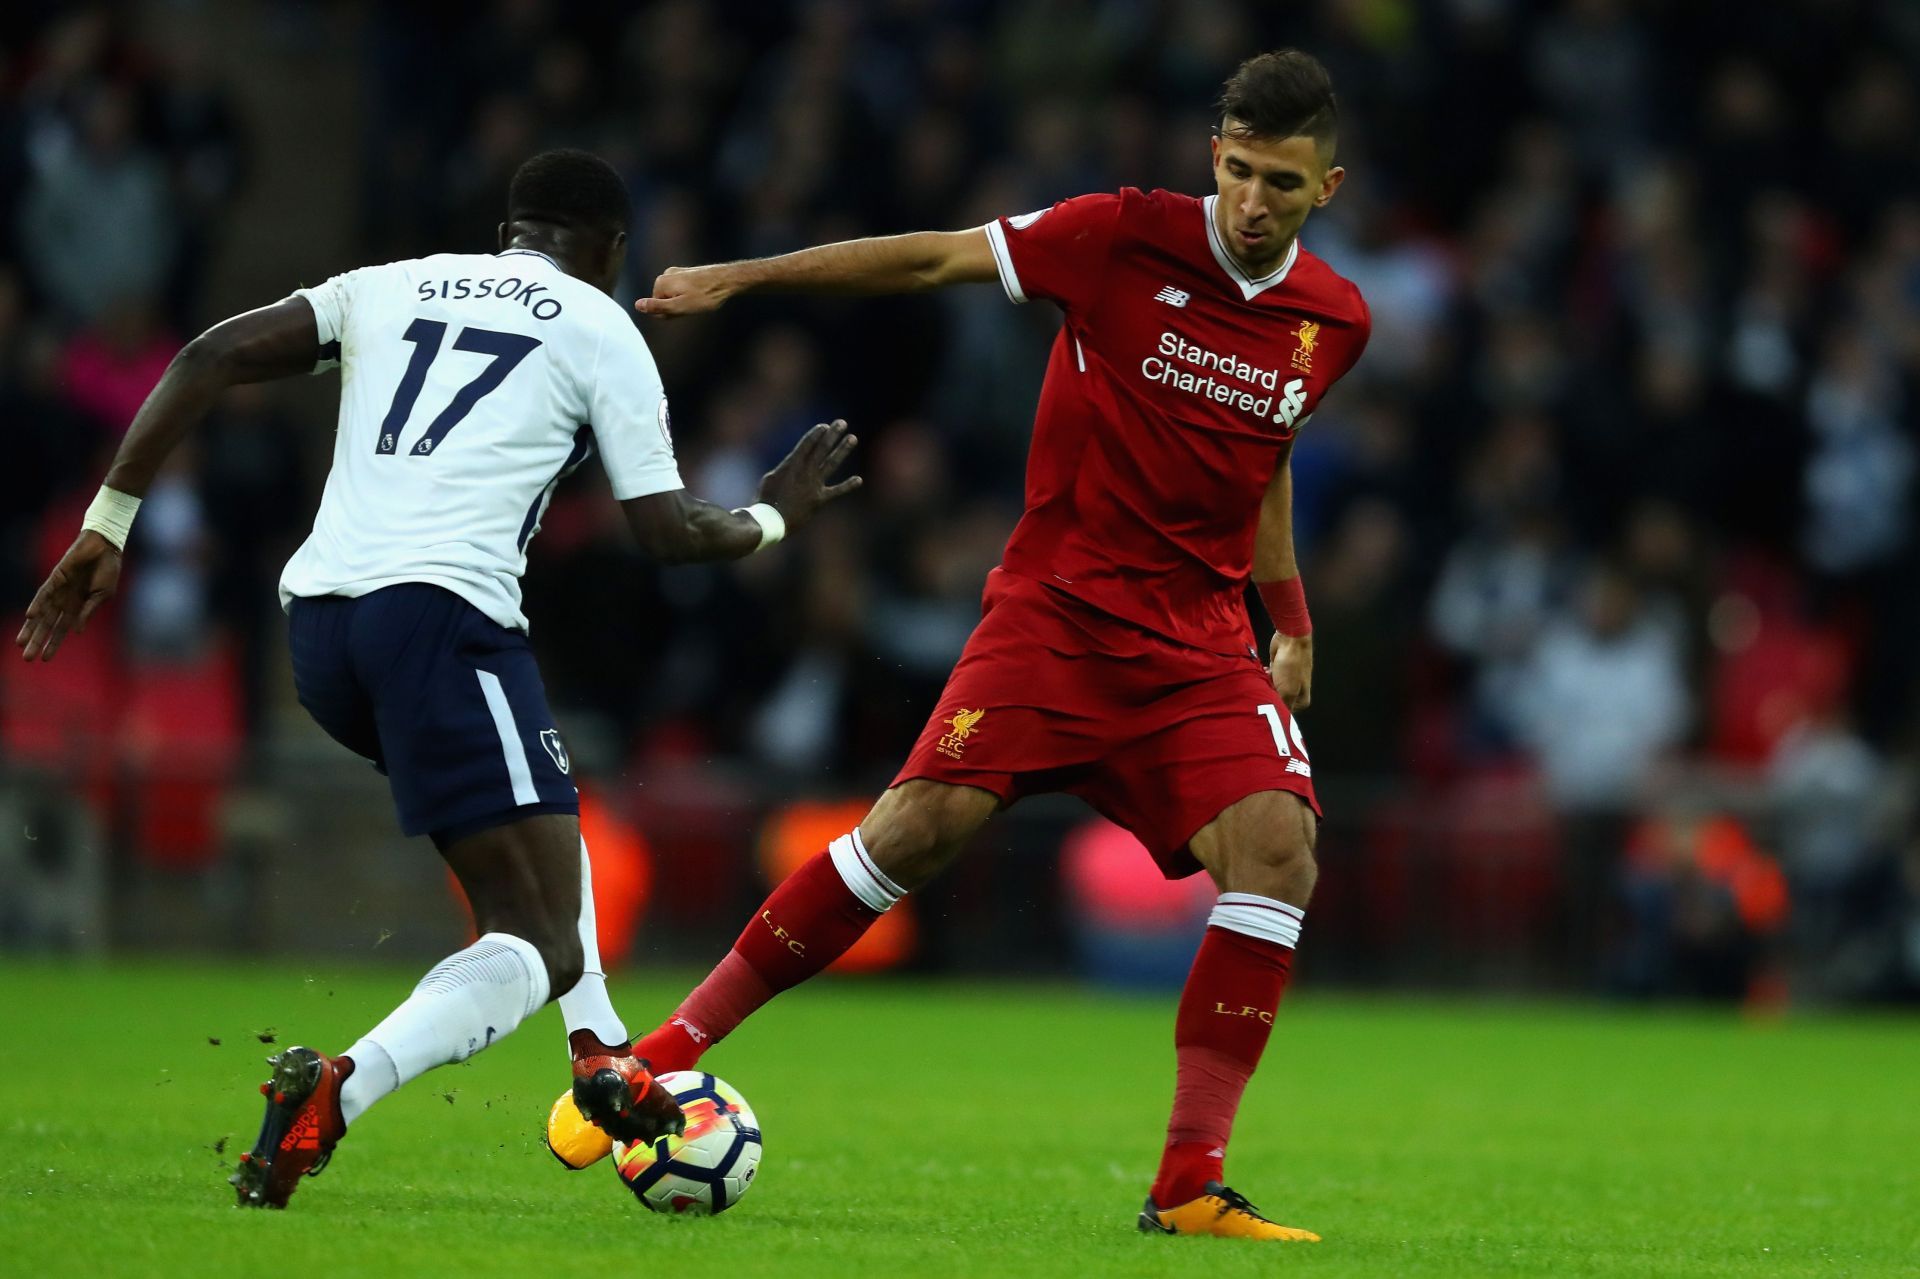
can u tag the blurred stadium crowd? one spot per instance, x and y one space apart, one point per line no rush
1610 540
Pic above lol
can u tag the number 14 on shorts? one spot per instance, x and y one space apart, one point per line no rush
1295 754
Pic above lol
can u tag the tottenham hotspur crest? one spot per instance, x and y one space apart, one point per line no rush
666 424
550 738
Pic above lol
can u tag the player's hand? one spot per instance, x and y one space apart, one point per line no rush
687 290
1290 665
83 580
798 486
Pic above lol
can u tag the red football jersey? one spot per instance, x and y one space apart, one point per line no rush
1173 388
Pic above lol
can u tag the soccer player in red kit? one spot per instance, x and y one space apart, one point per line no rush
1114 657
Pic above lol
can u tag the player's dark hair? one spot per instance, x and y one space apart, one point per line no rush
1283 94
573 189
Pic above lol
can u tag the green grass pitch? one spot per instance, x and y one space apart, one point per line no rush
924 1129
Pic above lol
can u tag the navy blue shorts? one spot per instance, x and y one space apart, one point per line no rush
444 700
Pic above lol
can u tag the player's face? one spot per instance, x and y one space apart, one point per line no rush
1267 188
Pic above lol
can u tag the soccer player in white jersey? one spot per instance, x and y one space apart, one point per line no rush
470 384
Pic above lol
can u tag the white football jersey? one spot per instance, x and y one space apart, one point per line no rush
465 382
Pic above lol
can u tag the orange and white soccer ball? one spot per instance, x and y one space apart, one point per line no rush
707 1168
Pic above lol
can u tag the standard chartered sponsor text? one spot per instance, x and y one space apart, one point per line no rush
1174 350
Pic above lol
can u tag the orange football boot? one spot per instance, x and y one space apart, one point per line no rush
302 1125
1219 1211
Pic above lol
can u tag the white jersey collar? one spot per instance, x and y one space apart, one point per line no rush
1250 288
531 253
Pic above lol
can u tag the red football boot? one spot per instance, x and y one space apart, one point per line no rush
302 1125
615 1090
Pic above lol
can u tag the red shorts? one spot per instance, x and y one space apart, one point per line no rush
1054 695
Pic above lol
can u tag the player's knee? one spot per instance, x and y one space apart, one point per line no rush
1266 850
1282 870
1283 866
917 828
905 849
1293 861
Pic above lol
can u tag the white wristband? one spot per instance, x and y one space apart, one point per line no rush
773 525
110 514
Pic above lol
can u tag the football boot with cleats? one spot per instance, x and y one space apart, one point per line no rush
1219 1211
299 1131
613 1097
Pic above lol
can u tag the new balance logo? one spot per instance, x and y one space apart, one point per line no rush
1172 296
694 1033
1300 766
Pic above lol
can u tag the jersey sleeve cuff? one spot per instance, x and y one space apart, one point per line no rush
325 329
323 319
1009 278
646 483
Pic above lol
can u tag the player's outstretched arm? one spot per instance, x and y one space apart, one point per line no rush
678 528
1276 575
273 342
885 264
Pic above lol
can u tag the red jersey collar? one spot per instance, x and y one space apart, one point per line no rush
1250 288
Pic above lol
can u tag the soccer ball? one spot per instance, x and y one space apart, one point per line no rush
708 1167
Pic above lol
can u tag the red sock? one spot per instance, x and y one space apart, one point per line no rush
809 922
1226 1014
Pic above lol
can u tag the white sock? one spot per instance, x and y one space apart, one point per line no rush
467 1001
864 879
1267 918
586 1006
